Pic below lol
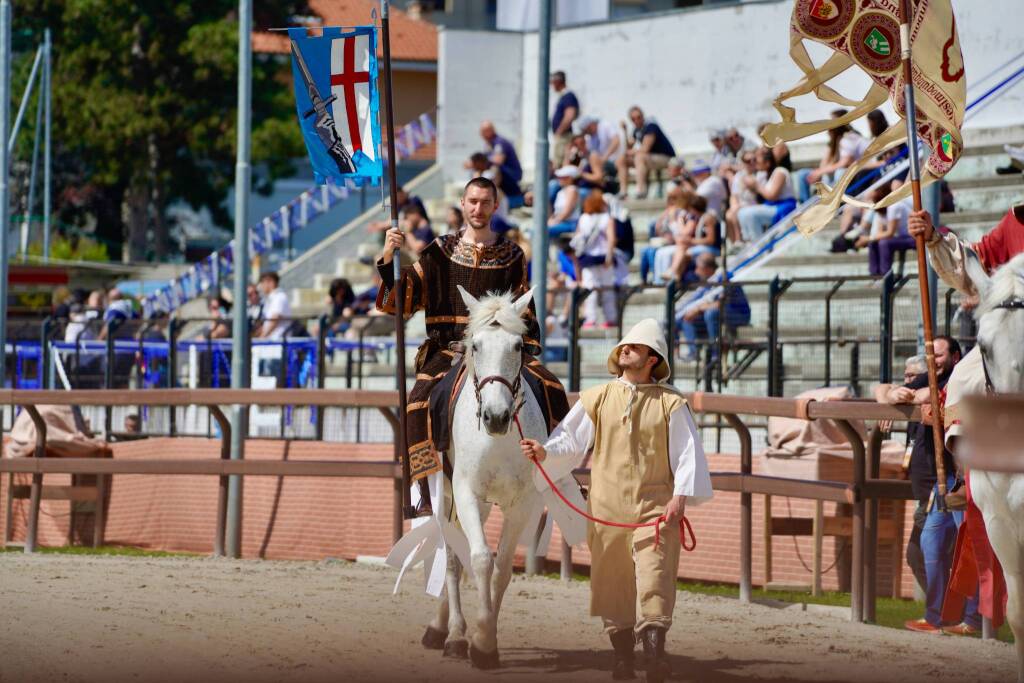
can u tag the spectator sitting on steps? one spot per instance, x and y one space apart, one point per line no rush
700 320
650 151
276 308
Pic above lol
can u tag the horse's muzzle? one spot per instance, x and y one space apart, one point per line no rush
497 422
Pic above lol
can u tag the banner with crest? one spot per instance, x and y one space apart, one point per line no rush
866 34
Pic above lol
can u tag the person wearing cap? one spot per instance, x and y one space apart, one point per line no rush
723 154
710 187
647 461
603 141
565 210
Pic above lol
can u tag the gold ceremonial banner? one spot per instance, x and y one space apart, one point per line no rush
866 33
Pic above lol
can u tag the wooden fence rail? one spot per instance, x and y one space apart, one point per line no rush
863 493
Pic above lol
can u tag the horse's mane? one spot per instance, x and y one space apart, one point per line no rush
494 309
1007 283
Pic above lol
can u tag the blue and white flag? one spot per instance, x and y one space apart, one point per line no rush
337 101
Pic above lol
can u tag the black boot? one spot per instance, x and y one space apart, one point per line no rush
656 662
623 641
423 508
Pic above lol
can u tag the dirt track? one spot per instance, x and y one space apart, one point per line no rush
126 619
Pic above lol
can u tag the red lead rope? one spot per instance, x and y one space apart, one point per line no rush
684 523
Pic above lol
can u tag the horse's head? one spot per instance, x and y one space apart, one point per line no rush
494 355
1000 316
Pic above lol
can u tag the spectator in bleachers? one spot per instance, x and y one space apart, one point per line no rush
218 309
773 185
453 220
605 146
650 150
660 232
501 154
711 187
594 245
404 200
253 307
657 259
888 235
565 209
119 309
567 109
723 155
562 280
340 297
701 320
365 302
737 143
277 310
740 195
700 234
418 233
845 146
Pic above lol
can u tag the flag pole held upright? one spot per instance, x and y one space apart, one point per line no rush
408 512
906 16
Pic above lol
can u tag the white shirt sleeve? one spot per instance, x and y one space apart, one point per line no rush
686 456
567 446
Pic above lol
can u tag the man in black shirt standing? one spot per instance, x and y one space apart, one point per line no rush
934 531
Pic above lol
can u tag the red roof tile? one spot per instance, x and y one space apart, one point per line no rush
412 40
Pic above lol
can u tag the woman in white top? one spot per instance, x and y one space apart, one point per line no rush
845 146
739 196
566 207
773 184
594 243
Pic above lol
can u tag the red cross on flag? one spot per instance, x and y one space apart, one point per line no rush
350 84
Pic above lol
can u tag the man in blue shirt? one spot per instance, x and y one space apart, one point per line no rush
701 319
650 150
502 155
567 110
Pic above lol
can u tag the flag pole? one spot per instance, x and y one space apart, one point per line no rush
922 263
408 512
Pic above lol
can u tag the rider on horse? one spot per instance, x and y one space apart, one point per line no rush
481 262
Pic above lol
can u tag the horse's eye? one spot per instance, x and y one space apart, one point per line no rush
476 347
518 346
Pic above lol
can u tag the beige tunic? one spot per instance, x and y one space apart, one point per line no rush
646 449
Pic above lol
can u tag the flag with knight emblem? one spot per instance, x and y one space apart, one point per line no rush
337 101
866 34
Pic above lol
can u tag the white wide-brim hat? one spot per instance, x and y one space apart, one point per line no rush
649 333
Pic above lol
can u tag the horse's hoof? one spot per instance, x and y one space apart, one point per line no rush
483 660
457 649
434 639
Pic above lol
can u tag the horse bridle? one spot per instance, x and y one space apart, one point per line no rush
1012 304
513 387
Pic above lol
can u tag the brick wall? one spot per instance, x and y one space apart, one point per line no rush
316 517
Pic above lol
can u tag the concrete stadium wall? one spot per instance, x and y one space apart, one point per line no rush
311 518
692 70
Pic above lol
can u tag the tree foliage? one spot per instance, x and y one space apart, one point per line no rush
144 98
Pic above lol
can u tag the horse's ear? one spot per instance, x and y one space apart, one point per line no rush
470 300
521 304
976 272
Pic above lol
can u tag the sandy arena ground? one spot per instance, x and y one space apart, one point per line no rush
118 619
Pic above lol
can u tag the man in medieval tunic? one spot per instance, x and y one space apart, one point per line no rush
481 262
648 461
949 256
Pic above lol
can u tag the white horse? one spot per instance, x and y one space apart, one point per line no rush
488 468
1000 496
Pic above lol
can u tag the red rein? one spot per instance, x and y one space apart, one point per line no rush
684 523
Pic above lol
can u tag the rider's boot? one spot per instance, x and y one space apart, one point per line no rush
623 641
423 508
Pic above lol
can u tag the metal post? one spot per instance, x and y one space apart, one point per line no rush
239 321
671 293
885 337
576 297
321 372
47 146
36 134
5 164
540 171
828 330
24 99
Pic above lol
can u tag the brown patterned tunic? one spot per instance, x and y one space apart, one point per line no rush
431 286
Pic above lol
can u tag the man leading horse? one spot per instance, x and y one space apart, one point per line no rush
481 262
